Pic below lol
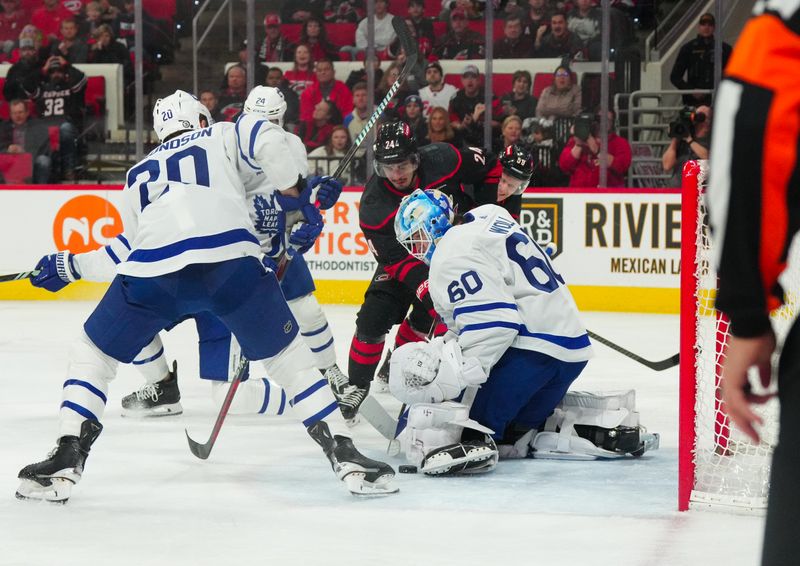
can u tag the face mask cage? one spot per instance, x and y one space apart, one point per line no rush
418 242
383 169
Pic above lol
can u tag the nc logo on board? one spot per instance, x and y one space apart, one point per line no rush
86 223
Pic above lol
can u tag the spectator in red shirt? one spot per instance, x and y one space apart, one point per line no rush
301 76
580 159
48 18
314 35
328 88
315 131
12 20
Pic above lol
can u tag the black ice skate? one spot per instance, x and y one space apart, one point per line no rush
348 396
362 475
382 377
468 457
160 399
52 479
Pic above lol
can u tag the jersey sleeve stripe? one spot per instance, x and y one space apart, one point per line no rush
197 243
112 255
486 325
568 342
241 153
253 137
124 241
485 307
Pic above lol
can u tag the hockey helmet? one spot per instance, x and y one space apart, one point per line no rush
421 220
175 113
395 143
204 113
267 102
517 163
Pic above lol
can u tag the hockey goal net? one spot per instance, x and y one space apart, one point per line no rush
718 465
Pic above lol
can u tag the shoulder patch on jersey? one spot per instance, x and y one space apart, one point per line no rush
267 214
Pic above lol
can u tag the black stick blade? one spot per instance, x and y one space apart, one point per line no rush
202 451
660 365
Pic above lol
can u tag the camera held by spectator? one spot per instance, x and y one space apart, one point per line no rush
684 126
586 124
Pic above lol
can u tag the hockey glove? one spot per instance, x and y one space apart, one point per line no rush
306 233
56 271
328 191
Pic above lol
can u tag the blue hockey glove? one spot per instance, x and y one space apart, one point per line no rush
306 233
269 263
56 271
328 192
289 203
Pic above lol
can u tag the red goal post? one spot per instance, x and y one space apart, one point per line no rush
718 466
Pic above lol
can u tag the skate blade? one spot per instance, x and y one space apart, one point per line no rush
443 466
166 411
357 485
57 492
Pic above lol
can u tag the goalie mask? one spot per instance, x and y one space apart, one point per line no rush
267 102
422 219
517 165
175 113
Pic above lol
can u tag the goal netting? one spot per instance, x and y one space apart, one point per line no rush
718 465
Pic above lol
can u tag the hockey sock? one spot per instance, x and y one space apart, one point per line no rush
315 330
151 362
406 334
86 387
365 355
254 396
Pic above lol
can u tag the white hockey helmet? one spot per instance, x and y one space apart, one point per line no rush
267 102
175 113
204 113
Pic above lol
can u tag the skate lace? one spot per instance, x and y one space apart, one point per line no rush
337 379
149 391
353 396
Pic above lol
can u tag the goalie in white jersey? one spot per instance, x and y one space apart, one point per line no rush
513 330
192 250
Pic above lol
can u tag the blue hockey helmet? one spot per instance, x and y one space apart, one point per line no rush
422 219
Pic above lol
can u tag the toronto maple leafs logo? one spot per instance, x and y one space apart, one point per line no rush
266 214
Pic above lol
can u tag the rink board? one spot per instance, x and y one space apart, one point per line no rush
619 250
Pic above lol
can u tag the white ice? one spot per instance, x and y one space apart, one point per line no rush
267 494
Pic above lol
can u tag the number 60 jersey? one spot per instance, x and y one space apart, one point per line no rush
497 289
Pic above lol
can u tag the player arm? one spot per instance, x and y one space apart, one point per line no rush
471 290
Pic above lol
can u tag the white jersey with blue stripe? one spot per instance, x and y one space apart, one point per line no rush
496 289
185 204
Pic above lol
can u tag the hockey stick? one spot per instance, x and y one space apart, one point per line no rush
661 365
18 276
410 47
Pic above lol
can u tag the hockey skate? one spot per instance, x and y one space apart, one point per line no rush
52 479
362 475
348 396
160 399
468 457
381 383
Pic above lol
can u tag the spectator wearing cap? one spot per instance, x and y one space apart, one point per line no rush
298 11
326 87
513 45
48 18
384 32
694 66
24 134
421 26
60 100
12 20
275 46
71 47
460 42
344 11
472 9
467 107
358 118
314 35
234 92
519 102
438 93
557 41
412 107
562 99
24 75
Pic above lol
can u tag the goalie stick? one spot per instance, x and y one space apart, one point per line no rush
661 365
410 47
18 276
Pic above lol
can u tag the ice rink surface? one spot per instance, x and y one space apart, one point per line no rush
267 494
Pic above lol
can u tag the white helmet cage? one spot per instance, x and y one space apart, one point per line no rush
175 113
267 102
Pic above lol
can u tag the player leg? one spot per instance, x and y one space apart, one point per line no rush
385 304
266 330
160 395
115 332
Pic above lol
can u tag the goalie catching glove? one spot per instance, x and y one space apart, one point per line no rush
432 372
